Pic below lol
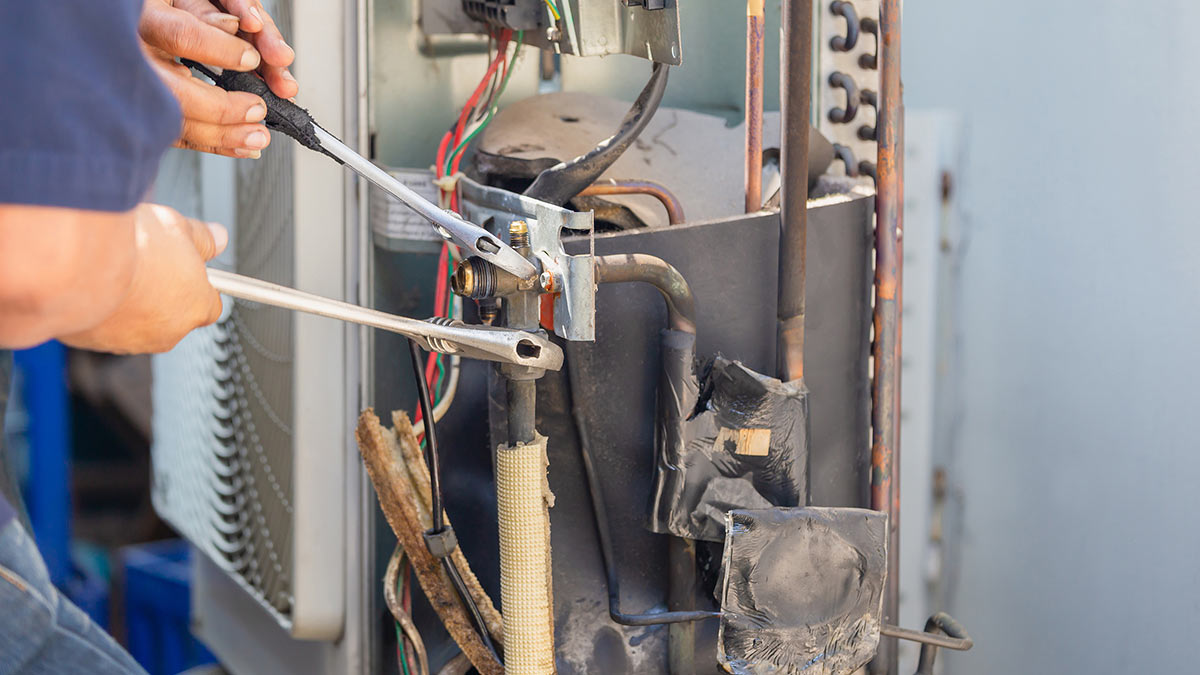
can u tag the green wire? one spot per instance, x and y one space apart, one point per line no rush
503 85
441 375
399 637
403 657
554 10
437 387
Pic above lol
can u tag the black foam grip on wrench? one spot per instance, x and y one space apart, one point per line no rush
282 115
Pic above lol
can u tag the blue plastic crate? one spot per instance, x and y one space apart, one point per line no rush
158 608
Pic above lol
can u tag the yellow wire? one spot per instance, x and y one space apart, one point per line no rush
554 10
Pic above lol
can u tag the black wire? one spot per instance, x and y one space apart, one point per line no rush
431 447
461 586
562 182
481 111
435 489
600 519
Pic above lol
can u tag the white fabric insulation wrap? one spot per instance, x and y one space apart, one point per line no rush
524 500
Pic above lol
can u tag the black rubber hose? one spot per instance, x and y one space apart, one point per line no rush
562 182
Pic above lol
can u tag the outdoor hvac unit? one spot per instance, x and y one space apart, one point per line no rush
250 415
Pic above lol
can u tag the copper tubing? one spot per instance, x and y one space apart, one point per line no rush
623 267
796 99
885 409
755 25
639 187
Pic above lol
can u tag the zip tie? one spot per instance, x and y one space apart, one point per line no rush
449 183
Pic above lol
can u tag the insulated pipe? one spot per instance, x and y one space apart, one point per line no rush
626 267
885 393
795 85
755 24
523 500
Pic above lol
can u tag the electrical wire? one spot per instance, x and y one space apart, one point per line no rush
431 448
435 502
442 298
554 10
404 622
500 71
455 156
447 397
444 397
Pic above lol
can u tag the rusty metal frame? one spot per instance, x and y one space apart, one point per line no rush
889 246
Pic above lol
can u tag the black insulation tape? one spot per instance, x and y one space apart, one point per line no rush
802 590
728 439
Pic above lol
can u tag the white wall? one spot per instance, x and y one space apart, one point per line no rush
1079 455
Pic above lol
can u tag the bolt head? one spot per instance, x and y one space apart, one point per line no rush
546 280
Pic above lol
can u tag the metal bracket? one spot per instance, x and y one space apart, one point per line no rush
571 278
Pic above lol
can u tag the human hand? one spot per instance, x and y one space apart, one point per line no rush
169 294
215 120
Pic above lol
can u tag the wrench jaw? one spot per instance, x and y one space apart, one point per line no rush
504 257
506 346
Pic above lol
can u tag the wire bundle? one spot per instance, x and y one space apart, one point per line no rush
471 120
475 117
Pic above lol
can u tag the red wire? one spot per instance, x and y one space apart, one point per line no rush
442 299
441 304
501 57
441 154
459 156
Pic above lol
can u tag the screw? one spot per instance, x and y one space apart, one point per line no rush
547 281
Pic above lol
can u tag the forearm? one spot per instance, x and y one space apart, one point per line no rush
61 270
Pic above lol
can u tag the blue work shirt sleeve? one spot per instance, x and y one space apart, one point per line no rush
84 119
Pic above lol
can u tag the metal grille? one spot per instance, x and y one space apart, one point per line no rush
260 367
223 404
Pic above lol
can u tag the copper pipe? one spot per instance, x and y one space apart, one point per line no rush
629 267
796 99
889 247
639 187
755 24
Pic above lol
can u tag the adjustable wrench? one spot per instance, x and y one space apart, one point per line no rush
291 119
505 345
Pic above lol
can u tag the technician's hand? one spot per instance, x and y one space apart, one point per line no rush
216 121
169 294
